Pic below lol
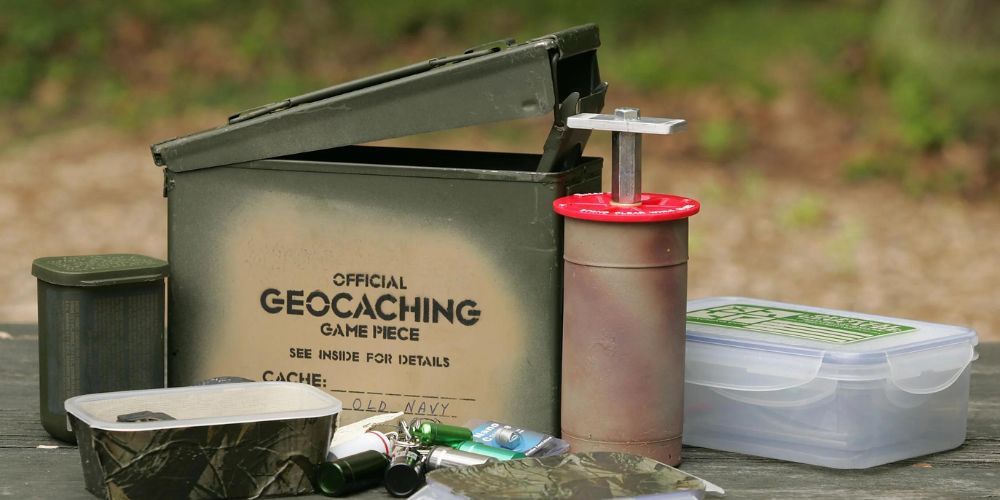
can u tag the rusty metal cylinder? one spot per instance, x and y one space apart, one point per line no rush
625 293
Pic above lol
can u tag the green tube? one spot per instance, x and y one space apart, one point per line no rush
490 451
351 474
435 433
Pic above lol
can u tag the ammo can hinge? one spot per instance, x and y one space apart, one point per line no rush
168 182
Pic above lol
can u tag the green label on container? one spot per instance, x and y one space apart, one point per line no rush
791 323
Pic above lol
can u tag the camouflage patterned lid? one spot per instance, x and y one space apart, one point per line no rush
98 270
577 475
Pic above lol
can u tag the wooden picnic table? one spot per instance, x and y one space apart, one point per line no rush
30 470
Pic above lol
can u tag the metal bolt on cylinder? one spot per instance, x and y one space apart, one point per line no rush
508 438
625 294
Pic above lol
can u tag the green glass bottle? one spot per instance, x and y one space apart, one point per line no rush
435 433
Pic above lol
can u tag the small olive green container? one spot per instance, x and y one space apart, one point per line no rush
100 329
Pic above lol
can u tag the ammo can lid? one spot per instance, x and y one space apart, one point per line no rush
494 82
98 270
653 207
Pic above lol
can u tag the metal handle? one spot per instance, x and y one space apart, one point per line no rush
626 143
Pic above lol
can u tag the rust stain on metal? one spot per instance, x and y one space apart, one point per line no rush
623 344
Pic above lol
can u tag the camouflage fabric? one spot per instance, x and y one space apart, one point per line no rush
239 460
577 475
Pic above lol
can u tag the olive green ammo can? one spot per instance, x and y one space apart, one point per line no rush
424 281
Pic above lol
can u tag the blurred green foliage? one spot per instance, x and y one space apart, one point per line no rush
721 140
842 250
935 64
898 167
942 65
872 166
654 44
807 211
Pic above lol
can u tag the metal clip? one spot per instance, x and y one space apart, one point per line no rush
495 46
626 144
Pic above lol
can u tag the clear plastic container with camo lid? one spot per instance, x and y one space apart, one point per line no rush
820 386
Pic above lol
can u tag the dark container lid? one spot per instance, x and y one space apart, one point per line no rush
498 81
98 270
402 480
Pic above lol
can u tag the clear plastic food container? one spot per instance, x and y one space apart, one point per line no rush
242 440
824 387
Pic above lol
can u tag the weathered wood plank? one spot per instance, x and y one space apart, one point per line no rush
971 471
20 425
43 474
934 476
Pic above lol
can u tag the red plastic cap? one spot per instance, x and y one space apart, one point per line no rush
598 207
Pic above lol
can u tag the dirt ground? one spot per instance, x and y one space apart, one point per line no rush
797 238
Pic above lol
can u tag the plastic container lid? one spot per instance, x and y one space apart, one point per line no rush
98 270
653 208
204 405
757 345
